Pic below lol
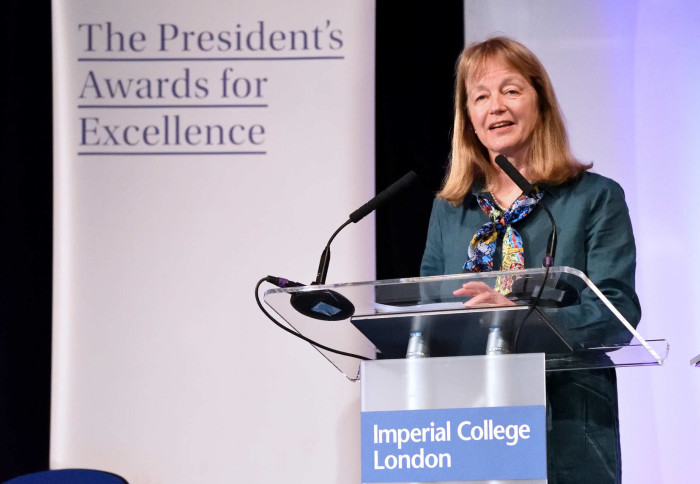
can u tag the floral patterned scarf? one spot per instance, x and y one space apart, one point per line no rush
483 245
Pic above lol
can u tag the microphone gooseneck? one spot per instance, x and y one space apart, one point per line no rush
369 207
326 304
548 262
326 258
529 190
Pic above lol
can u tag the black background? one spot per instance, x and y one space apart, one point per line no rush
26 227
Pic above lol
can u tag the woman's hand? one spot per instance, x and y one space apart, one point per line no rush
482 295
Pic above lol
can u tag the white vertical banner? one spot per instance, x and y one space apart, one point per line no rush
200 146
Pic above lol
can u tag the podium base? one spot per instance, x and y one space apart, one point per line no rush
455 383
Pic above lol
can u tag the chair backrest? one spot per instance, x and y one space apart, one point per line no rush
68 476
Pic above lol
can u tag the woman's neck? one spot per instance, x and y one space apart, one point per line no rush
505 193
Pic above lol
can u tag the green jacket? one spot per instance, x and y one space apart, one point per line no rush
595 236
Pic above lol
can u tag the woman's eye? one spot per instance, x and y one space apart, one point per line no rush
479 98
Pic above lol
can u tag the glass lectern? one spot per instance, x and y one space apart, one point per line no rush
574 324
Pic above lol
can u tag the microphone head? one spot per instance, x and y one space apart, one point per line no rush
503 162
514 174
388 193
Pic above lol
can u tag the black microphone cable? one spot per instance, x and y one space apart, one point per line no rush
285 283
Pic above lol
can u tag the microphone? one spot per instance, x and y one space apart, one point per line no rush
386 194
529 190
524 289
548 262
326 304
515 175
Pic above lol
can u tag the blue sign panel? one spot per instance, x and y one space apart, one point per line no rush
455 444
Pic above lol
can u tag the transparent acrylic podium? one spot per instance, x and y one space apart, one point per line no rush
575 325
427 351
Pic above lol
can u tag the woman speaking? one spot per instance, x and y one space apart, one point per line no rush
481 221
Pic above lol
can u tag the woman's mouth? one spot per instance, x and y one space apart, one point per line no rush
501 124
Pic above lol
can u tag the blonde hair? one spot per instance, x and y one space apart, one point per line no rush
550 158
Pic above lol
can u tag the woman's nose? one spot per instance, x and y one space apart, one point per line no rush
497 105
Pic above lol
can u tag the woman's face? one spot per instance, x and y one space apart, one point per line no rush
502 107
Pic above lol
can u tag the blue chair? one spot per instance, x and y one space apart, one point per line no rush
68 476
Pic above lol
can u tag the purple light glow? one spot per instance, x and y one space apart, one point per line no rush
626 74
